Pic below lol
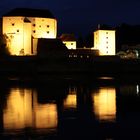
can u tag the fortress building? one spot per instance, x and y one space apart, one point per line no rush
23 27
69 40
104 41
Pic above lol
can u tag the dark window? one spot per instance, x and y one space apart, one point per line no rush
34 31
13 24
71 43
48 26
107 47
33 24
17 30
107 52
106 42
106 32
48 32
40 26
106 37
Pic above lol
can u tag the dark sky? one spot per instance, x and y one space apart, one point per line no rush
82 16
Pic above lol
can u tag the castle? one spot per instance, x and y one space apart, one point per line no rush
23 27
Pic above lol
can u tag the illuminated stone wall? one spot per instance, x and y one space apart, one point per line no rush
104 41
43 27
20 33
13 29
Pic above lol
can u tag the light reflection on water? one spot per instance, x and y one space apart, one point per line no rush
71 99
104 104
22 110
70 110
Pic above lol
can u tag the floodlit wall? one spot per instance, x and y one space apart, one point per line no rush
43 27
70 44
104 41
13 29
34 41
27 39
22 36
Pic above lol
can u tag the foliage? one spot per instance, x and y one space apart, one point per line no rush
3 46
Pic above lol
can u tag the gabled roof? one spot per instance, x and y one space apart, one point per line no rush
67 37
26 12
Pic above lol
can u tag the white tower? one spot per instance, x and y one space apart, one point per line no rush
104 41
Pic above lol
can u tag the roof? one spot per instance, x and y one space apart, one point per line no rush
67 37
27 12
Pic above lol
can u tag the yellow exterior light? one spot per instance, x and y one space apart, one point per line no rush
104 41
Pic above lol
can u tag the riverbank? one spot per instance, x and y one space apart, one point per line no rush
102 66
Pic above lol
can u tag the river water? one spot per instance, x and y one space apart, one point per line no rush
98 109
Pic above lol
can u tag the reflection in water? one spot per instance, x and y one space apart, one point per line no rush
23 110
137 89
71 101
18 112
45 115
105 104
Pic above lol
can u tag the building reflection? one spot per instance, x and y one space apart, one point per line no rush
71 99
104 104
23 110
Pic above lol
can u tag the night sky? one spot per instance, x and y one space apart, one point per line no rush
82 16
